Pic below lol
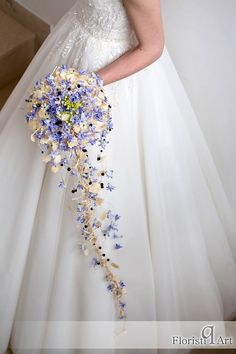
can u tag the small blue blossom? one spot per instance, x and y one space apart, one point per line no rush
110 287
80 208
116 217
109 174
81 219
99 116
92 195
62 184
74 173
113 226
83 72
95 262
115 236
122 284
122 304
95 223
63 67
117 246
110 187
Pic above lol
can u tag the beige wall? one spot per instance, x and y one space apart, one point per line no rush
200 36
48 10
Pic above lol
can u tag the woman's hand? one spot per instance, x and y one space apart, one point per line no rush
145 17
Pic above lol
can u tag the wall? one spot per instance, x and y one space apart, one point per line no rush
200 36
200 39
48 10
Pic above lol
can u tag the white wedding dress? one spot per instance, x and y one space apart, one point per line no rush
179 247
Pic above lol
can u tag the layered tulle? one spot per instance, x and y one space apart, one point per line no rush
179 255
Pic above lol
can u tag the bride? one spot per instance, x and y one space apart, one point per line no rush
176 250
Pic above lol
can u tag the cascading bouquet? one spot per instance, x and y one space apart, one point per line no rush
70 118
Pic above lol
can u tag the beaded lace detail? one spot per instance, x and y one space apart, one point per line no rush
104 19
96 33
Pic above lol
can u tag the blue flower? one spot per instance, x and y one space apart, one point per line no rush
57 136
92 195
94 224
117 246
95 262
110 287
110 187
109 174
81 219
122 284
62 184
116 236
117 217
109 215
122 304
63 67
82 72
110 227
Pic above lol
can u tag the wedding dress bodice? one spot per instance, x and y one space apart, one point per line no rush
104 19
99 28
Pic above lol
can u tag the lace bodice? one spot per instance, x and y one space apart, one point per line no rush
92 34
104 19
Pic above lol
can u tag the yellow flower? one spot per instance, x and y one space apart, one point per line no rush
99 201
103 215
32 137
76 128
94 188
33 124
54 146
42 113
86 252
114 265
73 143
71 105
57 159
44 141
65 116
55 169
46 158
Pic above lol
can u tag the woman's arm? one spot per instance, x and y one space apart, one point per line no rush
145 17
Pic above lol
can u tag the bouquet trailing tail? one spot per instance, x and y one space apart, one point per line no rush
70 119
